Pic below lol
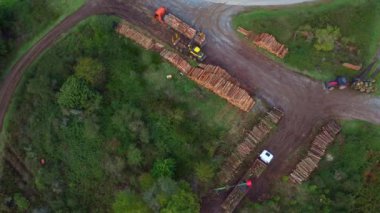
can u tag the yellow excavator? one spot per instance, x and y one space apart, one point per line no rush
191 48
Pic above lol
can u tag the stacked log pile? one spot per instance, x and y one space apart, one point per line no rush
251 140
269 42
212 77
180 26
367 86
238 193
176 60
266 41
124 29
218 81
316 152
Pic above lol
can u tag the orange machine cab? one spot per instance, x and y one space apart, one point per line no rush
160 13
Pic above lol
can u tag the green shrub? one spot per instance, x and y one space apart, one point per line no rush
204 171
163 168
75 94
129 202
182 201
90 70
134 156
326 38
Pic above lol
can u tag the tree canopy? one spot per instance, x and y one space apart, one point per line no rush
163 168
182 201
76 94
129 202
90 70
204 171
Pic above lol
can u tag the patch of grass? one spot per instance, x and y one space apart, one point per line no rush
358 21
93 154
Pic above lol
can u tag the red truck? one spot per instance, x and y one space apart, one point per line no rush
180 26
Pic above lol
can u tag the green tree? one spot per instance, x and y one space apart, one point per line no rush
129 202
90 70
182 201
134 156
204 172
146 181
163 168
326 38
75 93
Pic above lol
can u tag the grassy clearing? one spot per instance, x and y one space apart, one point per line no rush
358 21
349 181
144 143
24 23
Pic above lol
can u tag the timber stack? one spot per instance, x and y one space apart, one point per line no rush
220 82
258 133
317 150
238 193
124 29
180 26
212 77
265 41
176 60
269 42
366 86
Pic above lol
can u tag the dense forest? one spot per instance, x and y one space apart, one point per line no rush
113 131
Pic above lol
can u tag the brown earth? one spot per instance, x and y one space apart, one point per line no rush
303 100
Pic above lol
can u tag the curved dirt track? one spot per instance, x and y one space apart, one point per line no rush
305 103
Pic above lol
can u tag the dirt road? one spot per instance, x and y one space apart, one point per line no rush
304 101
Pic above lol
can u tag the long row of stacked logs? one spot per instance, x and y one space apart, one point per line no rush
316 152
252 139
127 31
238 193
212 77
266 41
221 83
